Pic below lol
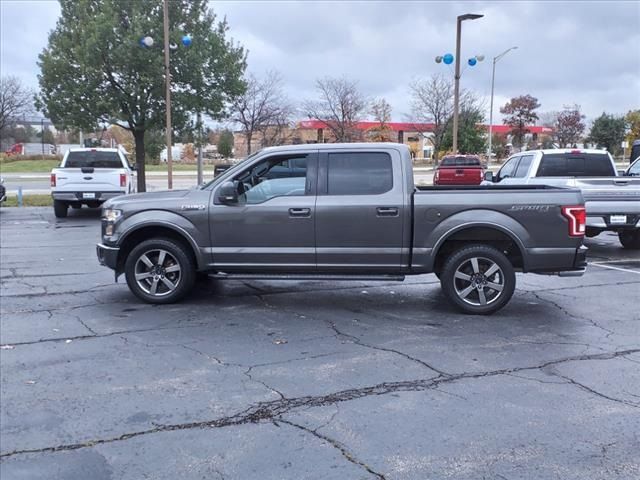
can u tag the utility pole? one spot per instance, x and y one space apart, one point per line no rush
200 180
168 94
456 89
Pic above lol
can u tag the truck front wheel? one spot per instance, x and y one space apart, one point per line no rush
160 270
478 279
630 239
60 209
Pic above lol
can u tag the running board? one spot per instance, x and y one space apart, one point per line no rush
295 276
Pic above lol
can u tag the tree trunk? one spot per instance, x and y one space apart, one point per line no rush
138 135
249 137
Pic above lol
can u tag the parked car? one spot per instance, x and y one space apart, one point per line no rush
351 211
459 170
31 149
3 190
90 176
612 200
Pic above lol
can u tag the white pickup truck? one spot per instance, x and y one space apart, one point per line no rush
612 201
90 176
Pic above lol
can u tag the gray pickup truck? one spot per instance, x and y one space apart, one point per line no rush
342 212
612 200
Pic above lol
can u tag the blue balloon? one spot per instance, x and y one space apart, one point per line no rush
448 59
472 61
186 40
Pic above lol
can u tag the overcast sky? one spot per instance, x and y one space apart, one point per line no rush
568 52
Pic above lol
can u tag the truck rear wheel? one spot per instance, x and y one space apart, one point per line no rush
60 209
478 279
630 239
160 270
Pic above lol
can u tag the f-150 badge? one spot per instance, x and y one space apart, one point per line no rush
199 206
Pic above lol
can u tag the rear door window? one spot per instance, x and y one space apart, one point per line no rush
93 159
523 166
576 165
359 173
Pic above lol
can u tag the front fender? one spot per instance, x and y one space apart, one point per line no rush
185 227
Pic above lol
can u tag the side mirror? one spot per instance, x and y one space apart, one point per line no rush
488 176
622 173
133 167
228 193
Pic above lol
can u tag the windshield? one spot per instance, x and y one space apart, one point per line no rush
93 159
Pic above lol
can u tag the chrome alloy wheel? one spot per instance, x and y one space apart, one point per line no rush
157 272
479 281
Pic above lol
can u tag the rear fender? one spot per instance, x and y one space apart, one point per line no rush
470 219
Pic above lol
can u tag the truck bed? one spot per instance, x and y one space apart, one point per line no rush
529 216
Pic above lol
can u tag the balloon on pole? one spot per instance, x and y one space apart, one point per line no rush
186 40
472 61
447 59
146 41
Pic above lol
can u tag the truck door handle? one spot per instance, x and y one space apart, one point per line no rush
299 212
387 211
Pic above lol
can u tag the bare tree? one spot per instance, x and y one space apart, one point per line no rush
340 106
432 102
15 101
381 112
262 105
279 131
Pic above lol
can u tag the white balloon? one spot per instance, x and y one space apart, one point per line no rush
148 41
480 57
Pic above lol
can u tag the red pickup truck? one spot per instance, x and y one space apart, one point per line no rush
459 170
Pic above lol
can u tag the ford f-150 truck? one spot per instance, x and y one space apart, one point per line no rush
612 201
341 212
90 176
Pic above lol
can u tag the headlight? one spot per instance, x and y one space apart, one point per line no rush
111 214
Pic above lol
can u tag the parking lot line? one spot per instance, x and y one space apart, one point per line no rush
611 267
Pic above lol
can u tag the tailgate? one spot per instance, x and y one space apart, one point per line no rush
460 176
100 180
613 189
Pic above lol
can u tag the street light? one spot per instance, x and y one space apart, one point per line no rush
493 76
456 90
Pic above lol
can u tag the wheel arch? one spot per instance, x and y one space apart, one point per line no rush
148 230
483 233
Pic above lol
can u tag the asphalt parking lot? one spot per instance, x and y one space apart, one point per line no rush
275 380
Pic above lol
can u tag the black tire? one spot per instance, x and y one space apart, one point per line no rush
630 239
60 209
160 270
465 284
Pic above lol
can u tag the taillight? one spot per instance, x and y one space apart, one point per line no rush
123 179
577 217
53 179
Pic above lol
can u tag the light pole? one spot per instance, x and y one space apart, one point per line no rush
167 73
456 89
493 77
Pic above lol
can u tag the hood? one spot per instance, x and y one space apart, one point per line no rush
145 198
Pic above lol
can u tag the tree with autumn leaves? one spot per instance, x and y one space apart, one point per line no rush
520 112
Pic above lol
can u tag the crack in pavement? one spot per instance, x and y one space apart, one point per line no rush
272 410
573 316
357 341
102 335
335 444
247 373
595 392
